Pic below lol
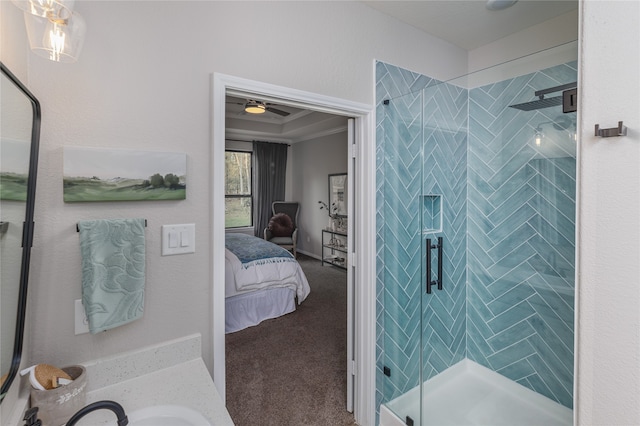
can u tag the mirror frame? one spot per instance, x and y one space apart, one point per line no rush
333 196
27 230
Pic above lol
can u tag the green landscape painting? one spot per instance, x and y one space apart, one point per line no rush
14 169
96 174
13 186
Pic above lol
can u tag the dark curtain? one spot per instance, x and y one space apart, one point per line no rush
269 168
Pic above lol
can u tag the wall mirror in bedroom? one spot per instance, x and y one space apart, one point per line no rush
338 195
19 136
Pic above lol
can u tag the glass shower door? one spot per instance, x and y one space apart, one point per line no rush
444 245
401 257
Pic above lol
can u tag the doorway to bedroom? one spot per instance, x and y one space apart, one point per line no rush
318 151
296 346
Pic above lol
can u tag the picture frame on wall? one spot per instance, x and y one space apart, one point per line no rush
338 196
98 174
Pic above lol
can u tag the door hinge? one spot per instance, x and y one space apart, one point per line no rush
351 256
354 151
351 367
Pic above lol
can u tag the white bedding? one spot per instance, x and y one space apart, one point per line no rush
265 286
251 308
268 275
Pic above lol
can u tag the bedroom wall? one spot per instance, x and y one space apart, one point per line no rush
143 82
312 162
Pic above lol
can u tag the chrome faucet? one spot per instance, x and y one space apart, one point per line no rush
99 405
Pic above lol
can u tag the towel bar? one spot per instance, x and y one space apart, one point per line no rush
78 227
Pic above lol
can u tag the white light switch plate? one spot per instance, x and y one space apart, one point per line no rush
178 239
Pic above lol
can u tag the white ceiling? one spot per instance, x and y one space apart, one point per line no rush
464 23
468 23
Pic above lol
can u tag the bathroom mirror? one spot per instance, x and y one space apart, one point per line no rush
19 138
338 194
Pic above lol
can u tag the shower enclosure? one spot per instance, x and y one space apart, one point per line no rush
476 217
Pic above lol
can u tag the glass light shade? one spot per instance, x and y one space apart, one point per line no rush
254 108
538 136
52 9
59 40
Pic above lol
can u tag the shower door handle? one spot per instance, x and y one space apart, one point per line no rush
439 263
429 282
430 247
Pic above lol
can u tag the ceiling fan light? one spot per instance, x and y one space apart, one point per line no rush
254 108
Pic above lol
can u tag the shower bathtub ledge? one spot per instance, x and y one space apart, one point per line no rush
470 394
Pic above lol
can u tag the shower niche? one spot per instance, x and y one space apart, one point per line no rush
431 214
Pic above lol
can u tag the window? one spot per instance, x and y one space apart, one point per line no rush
238 197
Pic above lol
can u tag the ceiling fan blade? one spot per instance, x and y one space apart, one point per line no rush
277 111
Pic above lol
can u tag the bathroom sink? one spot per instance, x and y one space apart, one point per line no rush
167 415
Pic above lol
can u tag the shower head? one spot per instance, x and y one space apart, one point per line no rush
539 104
563 123
543 102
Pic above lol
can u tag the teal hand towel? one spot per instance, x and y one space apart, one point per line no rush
113 271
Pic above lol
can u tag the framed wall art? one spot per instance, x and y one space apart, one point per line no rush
338 194
97 174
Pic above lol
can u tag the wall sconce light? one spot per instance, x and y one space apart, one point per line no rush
55 31
254 107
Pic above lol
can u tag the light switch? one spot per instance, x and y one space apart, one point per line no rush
173 239
178 239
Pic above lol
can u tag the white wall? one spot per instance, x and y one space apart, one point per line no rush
608 347
143 82
312 162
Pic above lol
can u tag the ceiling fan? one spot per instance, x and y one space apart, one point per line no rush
258 107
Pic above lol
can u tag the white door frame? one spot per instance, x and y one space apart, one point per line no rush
351 250
364 259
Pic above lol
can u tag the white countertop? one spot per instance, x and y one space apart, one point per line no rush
187 384
170 373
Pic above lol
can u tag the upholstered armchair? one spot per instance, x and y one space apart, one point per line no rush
283 226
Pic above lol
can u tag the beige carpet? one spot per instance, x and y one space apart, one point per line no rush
292 370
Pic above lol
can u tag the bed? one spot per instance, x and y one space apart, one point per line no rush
262 281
